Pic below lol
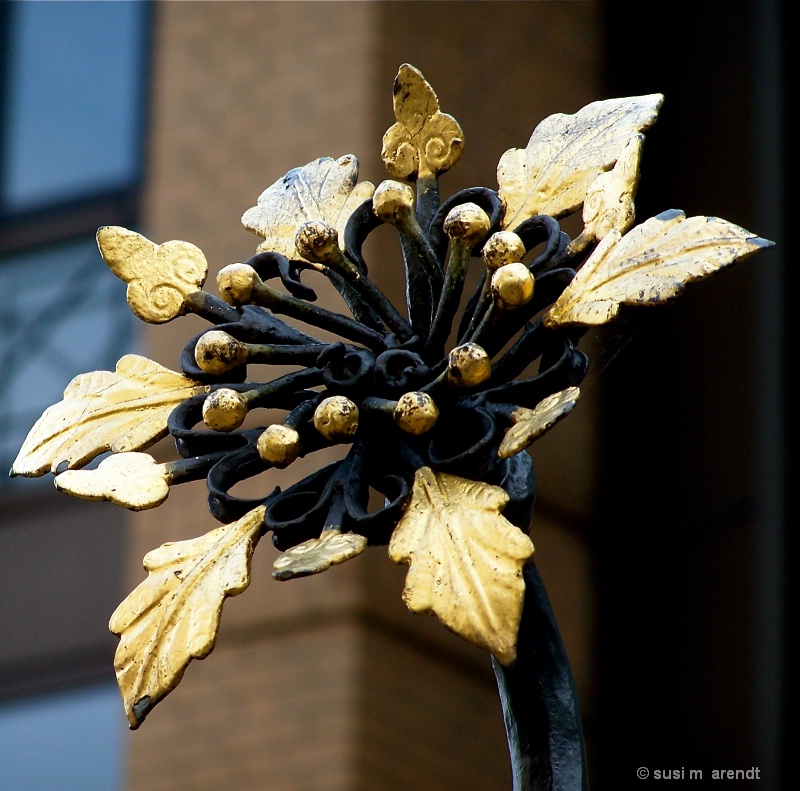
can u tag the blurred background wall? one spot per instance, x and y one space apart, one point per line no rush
662 506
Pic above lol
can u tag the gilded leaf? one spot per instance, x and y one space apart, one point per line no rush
532 423
159 276
132 480
609 205
465 559
173 616
650 265
318 554
120 411
566 153
325 189
424 141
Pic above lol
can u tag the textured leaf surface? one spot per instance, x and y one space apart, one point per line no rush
173 616
566 153
132 480
529 424
120 411
318 554
650 265
159 276
465 559
424 141
325 189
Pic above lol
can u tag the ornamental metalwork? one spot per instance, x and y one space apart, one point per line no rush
433 402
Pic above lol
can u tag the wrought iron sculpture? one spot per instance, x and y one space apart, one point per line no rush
430 400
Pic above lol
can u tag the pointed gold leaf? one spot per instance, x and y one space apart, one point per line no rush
159 276
318 554
173 616
132 480
325 189
121 411
650 265
532 423
424 141
566 153
465 559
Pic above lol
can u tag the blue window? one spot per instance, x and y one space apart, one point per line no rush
73 84
70 741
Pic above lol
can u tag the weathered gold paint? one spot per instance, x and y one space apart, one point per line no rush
173 616
425 141
528 424
132 480
416 413
159 277
468 365
465 559
318 554
325 189
650 265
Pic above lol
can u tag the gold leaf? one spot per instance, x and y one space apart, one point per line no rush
566 153
173 616
132 480
532 423
608 204
324 189
465 559
424 141
121 411
650 265
318 554
159 276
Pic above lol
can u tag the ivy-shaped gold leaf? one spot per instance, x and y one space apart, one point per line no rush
529 424
424 142
173 616
566 153
159 276
318 554
465 559
325 189
132 480
120 411
650 265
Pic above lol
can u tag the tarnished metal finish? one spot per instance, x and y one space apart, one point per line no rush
430 401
